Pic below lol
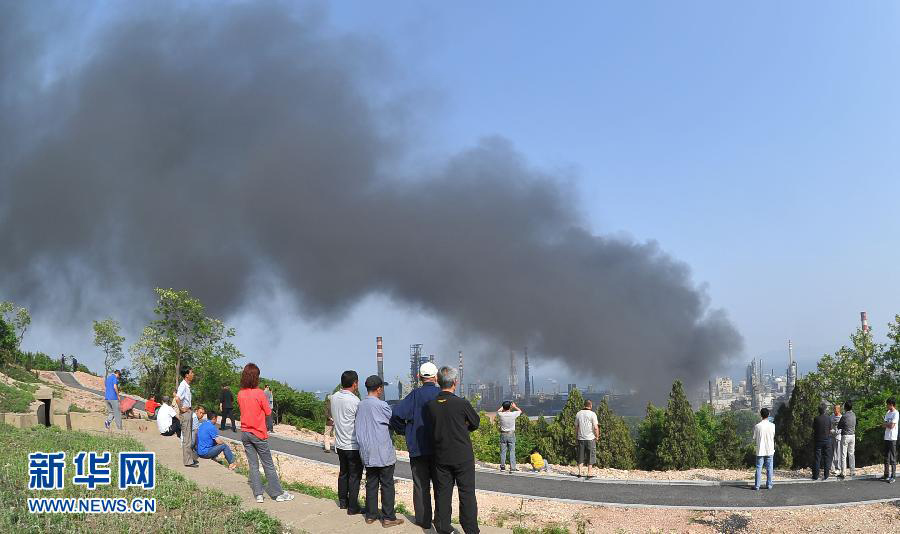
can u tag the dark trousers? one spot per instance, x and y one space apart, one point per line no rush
890 457
823 458
174 428
422 468
269 423
463 475
348 480
383 478
225 415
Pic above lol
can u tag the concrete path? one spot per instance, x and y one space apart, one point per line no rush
304 513
701 495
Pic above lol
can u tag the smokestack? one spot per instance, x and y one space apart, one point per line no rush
379 357
711 395
864 319
513 378
527 376
462 392
790 353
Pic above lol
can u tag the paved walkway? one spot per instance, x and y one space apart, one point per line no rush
68 379
629 493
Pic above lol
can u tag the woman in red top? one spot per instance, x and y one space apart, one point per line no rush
151 405
254 408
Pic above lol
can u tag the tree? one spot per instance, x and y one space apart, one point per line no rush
650 433
561 432
850 372
793 421
726 449
708 424
7 342
181 323
106 336
615 448
148 359
681 446
16 317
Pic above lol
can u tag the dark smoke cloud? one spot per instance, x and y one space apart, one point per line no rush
207 147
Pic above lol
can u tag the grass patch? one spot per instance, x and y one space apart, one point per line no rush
325 492
77 409
13 399
553 529
181 505
19 373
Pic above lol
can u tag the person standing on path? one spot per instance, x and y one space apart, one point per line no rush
112 400
344 404
373 419
890 441
410 417
847 425
329 425
74 364
507 415
587 430
255 438
209 444
822 443
764 437
226 407
453 419
270 420
183 400
836 449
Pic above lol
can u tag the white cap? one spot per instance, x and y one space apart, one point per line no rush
428 370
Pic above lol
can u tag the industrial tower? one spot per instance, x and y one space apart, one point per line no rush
462 386
528 384
415 360
513 377
379 357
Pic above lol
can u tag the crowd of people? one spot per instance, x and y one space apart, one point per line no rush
436 425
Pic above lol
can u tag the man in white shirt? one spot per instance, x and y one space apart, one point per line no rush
890 441
183 400
764 437
587 430
344 404
507 415
167 419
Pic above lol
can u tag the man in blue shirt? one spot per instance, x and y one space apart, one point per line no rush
112 400
376 449
409 416
209 444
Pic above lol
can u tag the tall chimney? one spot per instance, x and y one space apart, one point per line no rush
711 405
379 357
527 376
864 319
790 353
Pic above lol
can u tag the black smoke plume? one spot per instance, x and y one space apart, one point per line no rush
207 146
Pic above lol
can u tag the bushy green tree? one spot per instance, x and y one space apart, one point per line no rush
7 342
16 317
486 440
561 432
615 448
708 425
106 336
726 449
650 433
793 422
681 446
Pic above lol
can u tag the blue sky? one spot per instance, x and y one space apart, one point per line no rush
758 144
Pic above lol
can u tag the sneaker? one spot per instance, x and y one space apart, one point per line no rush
503 468
756 489
370 520
890 480
285 497
106 424
387 523
259 498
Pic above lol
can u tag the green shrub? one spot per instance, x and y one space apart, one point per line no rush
77 409
19 373
13 399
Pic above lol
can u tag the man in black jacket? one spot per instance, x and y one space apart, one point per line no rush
452 419
822 437
226 400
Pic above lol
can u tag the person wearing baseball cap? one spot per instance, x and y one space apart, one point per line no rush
409 418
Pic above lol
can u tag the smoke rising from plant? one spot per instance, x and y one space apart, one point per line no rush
206 148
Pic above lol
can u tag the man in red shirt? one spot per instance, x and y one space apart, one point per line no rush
151 405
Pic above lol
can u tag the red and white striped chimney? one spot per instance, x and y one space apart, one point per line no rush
379 357
864 319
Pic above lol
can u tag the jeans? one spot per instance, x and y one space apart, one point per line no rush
269 423
380 477
769 476
890 457
112 406
508 442
848 453
219 449
823 458
257 451
348 480
463 475
422 468
188 453
225 415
